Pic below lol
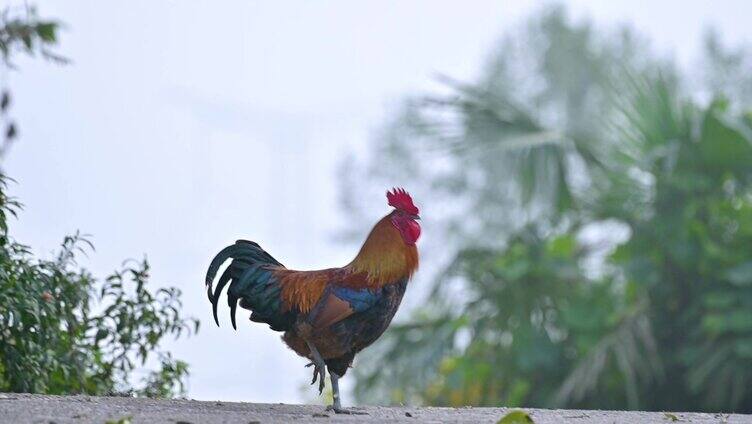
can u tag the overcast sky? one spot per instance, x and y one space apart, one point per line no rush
181 126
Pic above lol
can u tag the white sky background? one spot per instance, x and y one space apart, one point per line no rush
184 125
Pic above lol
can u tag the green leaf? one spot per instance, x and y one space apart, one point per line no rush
27 41
563 246
671 417
724 144
516 417
101 334
47 31
5 101
124 420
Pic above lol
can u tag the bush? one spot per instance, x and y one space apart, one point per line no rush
63 331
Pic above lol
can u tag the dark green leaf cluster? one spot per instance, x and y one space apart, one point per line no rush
598 232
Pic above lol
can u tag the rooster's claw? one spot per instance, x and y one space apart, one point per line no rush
319 374
319 367
315 372
321 381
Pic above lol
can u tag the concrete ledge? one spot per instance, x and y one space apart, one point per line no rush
42 409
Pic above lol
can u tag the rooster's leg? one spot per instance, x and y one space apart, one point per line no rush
319 367
336 406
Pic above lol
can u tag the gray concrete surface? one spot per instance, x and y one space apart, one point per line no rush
41 409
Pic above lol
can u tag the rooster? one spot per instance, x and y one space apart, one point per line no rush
329 315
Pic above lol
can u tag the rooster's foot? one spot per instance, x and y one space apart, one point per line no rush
317 371
319 368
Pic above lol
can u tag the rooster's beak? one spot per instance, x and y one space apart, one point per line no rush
417 217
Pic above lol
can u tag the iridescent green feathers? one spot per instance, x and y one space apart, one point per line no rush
253 284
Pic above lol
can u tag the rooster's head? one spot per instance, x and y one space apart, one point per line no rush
405 215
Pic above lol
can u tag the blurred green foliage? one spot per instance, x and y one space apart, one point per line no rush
22 31
62 331
595 211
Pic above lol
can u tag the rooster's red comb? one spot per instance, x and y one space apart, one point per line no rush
400 199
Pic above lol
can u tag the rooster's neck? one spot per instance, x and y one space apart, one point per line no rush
385 257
